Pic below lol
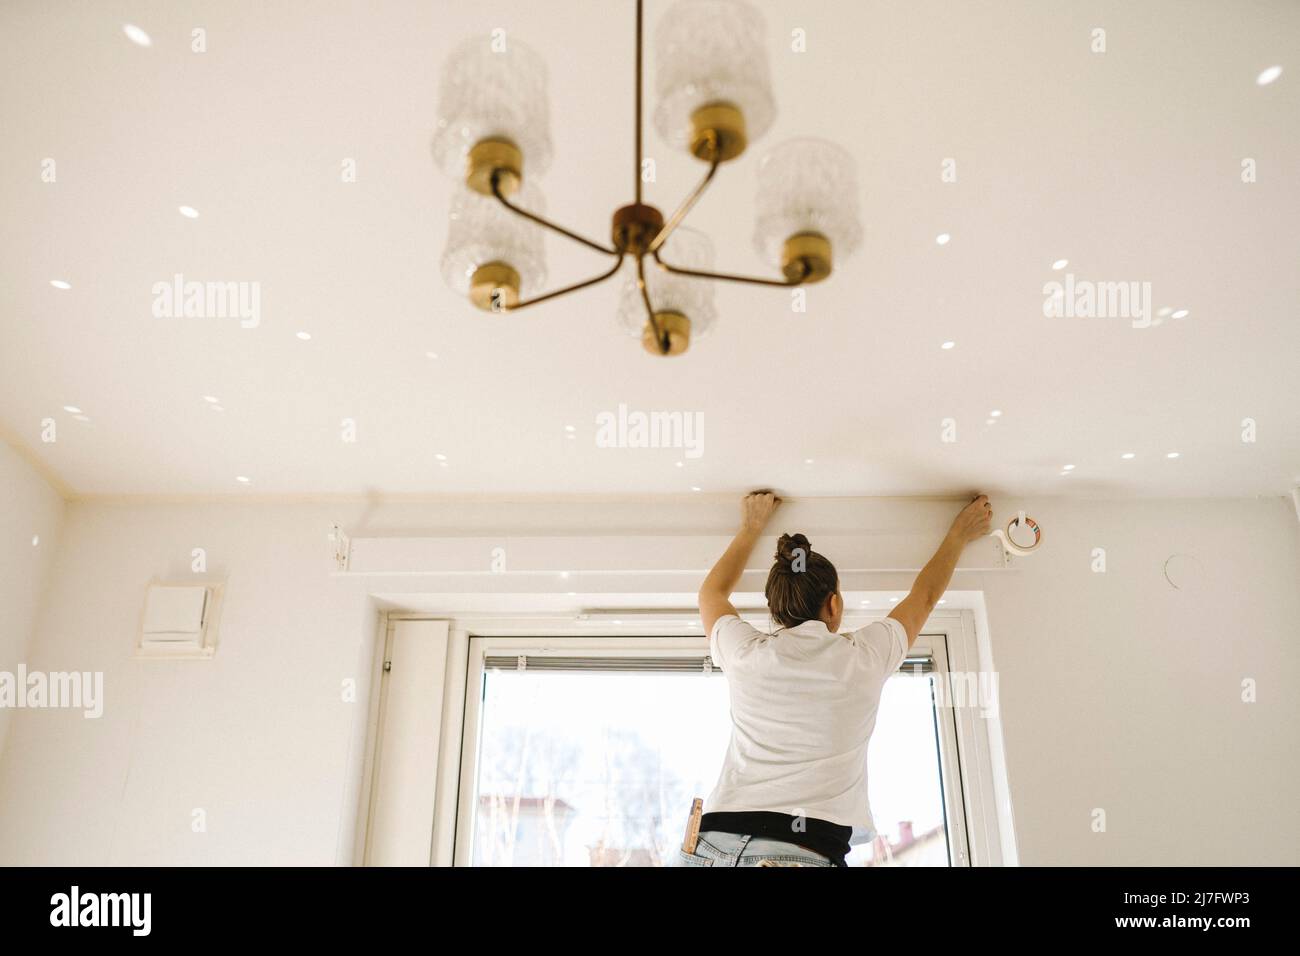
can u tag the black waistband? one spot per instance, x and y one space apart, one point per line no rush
829 839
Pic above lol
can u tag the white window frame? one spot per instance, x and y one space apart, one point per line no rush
966 756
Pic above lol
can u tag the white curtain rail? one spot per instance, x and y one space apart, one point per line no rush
613 555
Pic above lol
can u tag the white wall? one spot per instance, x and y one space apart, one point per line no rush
1121 693
260 738
1118 691
29 508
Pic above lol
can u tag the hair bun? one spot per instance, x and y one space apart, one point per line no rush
788 544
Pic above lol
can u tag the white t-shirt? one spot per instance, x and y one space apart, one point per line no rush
803 706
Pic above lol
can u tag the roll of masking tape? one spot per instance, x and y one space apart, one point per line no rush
1005 535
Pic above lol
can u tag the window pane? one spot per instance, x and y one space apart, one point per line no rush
594 769
599 768
906 783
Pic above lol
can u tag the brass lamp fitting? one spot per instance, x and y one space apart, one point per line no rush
493 286
498 156
718 129
806 256
676 326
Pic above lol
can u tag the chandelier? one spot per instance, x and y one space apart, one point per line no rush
715 97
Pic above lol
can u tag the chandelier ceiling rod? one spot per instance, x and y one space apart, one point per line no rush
636 153
656 327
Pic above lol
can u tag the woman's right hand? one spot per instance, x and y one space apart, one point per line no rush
974 521
757 509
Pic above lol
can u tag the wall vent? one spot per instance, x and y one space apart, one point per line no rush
179 621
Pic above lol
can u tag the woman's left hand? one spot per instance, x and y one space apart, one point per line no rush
974 521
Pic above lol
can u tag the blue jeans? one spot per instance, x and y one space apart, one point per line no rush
737 849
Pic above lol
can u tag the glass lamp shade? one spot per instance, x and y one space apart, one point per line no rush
807 186
711 51
486 94
482 231
688 296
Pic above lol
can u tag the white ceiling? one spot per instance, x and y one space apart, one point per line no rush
1127 163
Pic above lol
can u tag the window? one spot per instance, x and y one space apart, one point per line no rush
588 751
906 782
593 767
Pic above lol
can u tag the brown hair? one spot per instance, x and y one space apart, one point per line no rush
799 583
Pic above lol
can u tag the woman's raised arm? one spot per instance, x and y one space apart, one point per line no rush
715 593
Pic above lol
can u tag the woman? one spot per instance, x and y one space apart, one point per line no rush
803 700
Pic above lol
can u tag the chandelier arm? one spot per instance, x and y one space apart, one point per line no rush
727 277
687 204
496 191
524 303
660 335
